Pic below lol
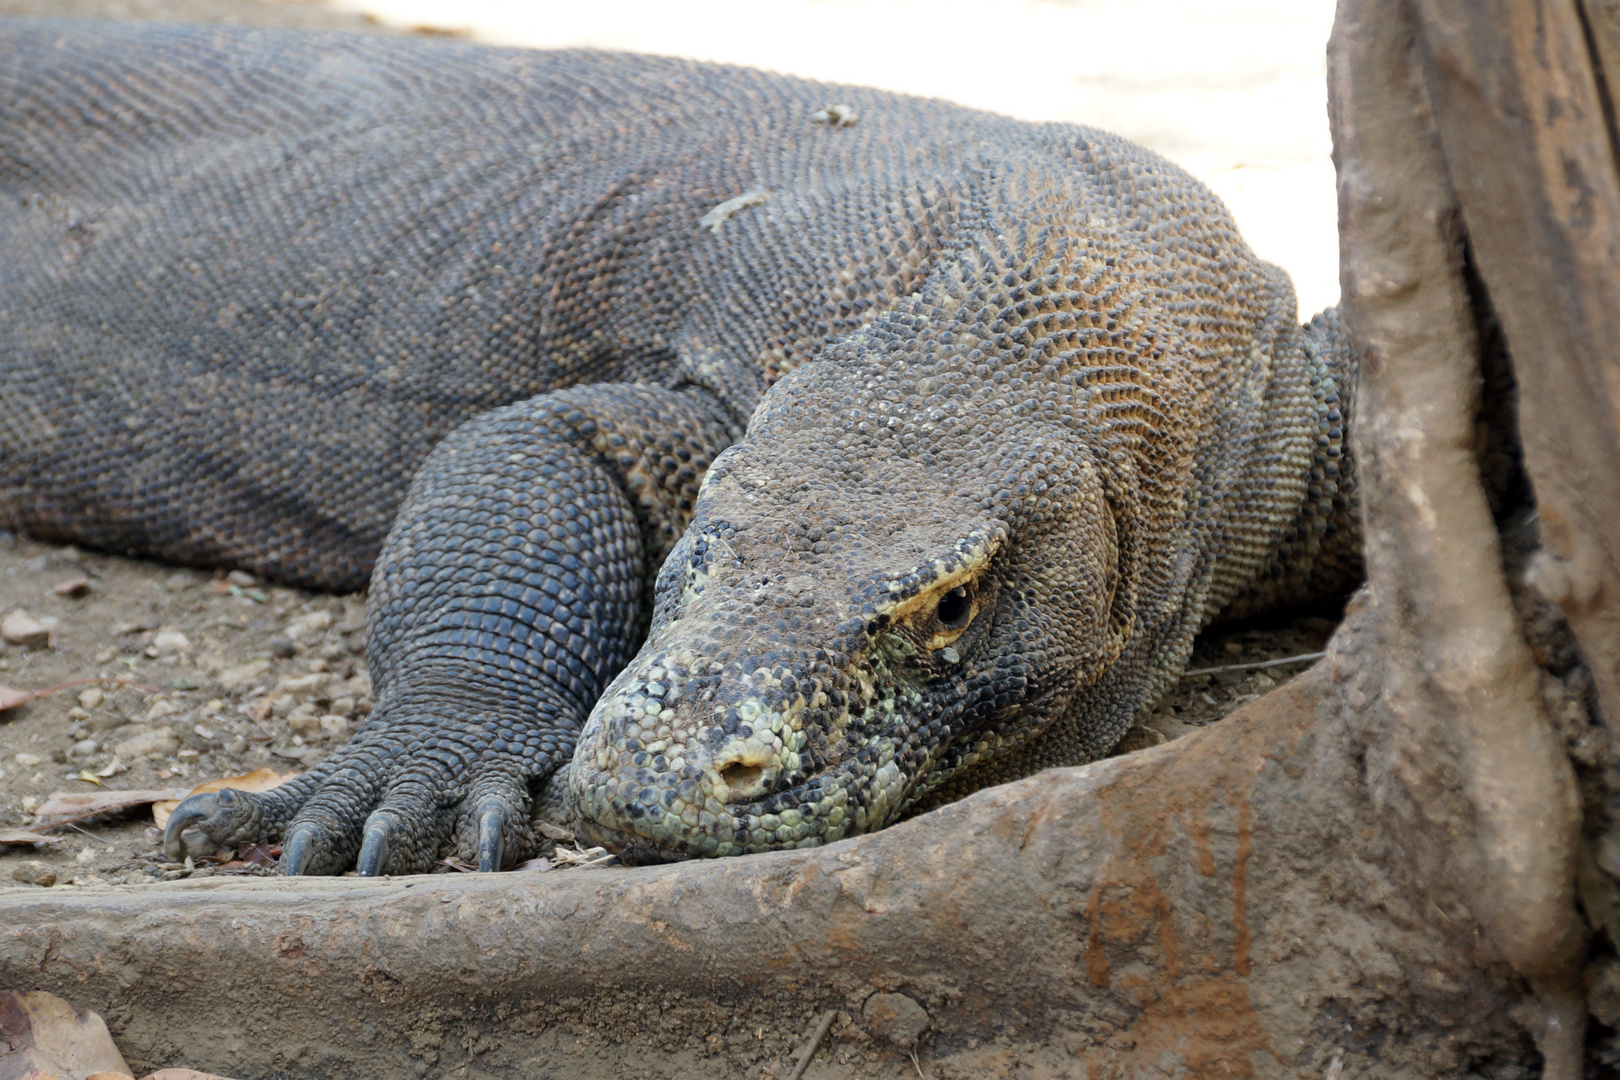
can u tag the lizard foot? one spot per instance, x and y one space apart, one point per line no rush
202 824
398 799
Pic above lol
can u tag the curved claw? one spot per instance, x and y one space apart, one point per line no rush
491 838
297 849
374 853
206 811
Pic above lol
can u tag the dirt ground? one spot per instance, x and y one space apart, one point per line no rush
182 676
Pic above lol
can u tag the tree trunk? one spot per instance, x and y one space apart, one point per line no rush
1404 863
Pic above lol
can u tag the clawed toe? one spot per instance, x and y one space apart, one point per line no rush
298 850
491 836
203 823
374 852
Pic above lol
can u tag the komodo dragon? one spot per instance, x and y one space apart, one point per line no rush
910 445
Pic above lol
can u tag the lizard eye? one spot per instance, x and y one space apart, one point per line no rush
955 609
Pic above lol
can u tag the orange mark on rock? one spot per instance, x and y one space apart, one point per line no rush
1191 993
1198 828
1240 882
1204 1023
844 929
661 928
1096 954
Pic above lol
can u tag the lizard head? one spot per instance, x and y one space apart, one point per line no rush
874 602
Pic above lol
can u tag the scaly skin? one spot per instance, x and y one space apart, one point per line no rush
989 419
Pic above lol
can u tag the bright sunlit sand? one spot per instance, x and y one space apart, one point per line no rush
1235 92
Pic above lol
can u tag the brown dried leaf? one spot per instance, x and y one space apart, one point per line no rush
538 866
554 832
63 806
258 854
18 837
41 1033
584 856
10 698
258 780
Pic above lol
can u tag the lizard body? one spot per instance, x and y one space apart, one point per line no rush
737 461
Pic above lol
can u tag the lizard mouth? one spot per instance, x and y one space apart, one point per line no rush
736 807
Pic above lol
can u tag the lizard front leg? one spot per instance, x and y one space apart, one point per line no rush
511 589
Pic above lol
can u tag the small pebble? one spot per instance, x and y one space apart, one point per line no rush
19 628
282 647
35 873
334 726
236 745
313 683
343 706
85 748
92 697
317 620
188 755
75 586
171 641
241 578
161 708
160 742
304 723
106 656
895 1017
103 721
29 760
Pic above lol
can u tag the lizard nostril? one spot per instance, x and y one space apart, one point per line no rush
740 777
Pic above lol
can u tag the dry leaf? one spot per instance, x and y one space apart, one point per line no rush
9 837
10 699
540 865
258 854
74 805
554 832
40 1032
88 777
258 780
584 856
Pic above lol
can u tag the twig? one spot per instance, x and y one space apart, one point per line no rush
103 840
35 695
915 1065
810 1047
1300 659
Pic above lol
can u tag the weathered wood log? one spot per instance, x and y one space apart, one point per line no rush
1224 903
